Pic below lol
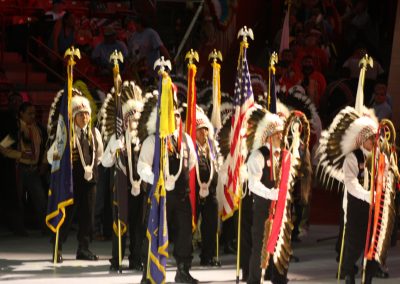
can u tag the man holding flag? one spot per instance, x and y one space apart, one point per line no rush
74 182
165 161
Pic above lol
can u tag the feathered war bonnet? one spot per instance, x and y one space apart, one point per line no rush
78 103
132 106
148 117
348 131
350 128
261 124
202 121
296 99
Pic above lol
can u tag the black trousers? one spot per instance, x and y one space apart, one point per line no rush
31 181
179 219
355 236
208 209
136 229
84 203
260 214
245 238
103 210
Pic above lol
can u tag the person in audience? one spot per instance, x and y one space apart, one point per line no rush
313 81
26 146
63 35
101 53
381 104
145 46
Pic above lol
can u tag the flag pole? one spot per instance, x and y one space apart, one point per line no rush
341 254
119 246
239 236
148 260
114 58
56 247
244 33
71 53
214 56
271 71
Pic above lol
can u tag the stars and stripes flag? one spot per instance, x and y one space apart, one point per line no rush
243 100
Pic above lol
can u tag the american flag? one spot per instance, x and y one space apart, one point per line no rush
243 100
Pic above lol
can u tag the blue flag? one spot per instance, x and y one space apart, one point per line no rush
157 231
61 185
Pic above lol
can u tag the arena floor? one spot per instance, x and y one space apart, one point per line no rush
27 260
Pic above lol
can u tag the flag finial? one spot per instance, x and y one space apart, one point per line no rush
161 63
192 55
114 58
246 32
364 63
72 52
273 60
215 56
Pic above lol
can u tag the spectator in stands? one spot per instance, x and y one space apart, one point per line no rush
312 81
353 64
84 36
381 105
10 205
145 46
333 18
286 74
311 48
101 53
358 24
57 11
26 146
63 35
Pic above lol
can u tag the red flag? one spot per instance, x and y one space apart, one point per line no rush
191 130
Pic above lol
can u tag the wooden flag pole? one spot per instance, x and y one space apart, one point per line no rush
115 57
71 53
341 254
239 237
56 247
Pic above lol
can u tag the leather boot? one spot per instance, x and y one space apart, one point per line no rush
183 275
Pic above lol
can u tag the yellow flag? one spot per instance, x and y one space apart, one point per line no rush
167 118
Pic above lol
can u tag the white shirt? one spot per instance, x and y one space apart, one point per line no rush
97 136
255 165
145 163
108 159
351 182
